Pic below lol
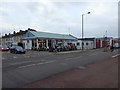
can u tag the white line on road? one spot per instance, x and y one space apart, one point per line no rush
39 63
70 52
25 62
68 58
81 67
15 57
116 55
35 64
27 66
92 54
21 62
49 61
26 56
72 58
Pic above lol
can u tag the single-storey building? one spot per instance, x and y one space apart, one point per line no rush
93 43
35 39
103 42
88 43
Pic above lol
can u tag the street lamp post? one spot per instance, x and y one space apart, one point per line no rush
106 43
82 27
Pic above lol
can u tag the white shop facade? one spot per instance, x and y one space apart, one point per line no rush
34 39
88 43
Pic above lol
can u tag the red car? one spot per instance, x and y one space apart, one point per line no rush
4 48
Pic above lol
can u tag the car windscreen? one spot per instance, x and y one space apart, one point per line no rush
4 47
19 48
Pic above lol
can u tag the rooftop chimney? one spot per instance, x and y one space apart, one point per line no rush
29 29
20 31
5 34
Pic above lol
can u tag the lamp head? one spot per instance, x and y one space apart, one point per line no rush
88 12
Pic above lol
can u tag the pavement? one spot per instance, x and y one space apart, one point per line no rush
103 74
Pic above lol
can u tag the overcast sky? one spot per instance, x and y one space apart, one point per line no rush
62 17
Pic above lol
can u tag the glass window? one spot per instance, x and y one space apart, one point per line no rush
78 43
86 43
82 43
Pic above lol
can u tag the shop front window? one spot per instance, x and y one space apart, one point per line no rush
86 43
78 44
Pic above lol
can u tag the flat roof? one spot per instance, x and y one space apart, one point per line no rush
47 35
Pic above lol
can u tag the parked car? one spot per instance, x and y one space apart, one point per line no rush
4 48
17 49
116 45
59 48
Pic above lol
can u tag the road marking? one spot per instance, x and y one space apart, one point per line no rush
67 52
27 66
26 56
26 62
116 55
92 54
49 61
72 58
15 57
35 64
81 67
20 62
39 63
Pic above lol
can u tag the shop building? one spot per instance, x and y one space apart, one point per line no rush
88 43
35 39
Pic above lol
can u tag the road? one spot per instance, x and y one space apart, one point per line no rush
21 69
103 74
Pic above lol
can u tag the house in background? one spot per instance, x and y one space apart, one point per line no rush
35 39
5 40
9 39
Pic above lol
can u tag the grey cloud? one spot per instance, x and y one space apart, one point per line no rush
60 16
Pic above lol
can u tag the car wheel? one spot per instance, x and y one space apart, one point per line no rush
10 51
15 52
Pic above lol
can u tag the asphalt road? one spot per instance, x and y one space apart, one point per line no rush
21 69
103 74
